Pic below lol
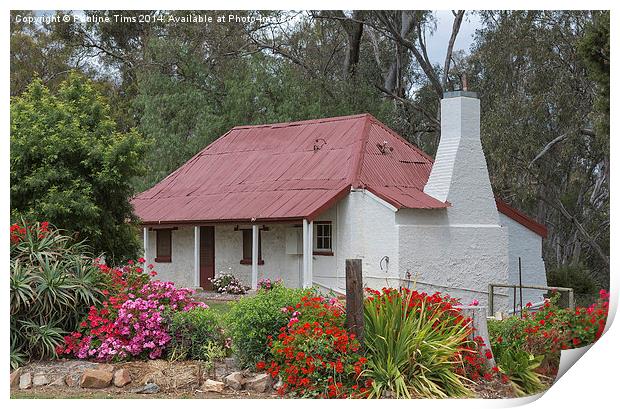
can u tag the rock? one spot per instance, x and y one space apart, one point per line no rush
231 363
96 379
148 388
278 384
25 381
105 367
40 380
121 378
73 380
59 382
259 383
235 380
213 386
15 378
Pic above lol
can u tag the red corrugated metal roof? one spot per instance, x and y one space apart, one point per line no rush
274 173
521 218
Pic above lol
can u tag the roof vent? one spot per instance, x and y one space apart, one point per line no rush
384 148
319 143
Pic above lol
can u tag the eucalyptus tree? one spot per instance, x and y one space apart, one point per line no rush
35 52
537 128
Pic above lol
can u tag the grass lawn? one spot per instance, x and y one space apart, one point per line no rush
220 307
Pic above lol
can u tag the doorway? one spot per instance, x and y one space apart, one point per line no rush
207 256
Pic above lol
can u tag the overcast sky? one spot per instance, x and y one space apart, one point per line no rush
438 43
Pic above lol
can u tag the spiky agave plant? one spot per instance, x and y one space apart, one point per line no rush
53 283
413 349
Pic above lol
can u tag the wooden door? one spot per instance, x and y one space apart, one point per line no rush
207 256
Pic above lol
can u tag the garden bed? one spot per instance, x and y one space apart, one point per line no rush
177 380
160 340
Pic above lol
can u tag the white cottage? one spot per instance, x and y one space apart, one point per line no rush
294 200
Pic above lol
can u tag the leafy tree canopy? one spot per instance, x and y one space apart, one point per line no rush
71 167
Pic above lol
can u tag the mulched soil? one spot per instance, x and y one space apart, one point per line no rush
494 389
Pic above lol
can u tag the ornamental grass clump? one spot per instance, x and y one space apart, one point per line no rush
414 343
53 281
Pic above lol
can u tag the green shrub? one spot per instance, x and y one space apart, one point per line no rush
414 341
195 334
252 319
519 351
509 331
576 277
53 283
520 367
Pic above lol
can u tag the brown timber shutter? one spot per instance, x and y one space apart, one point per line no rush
164 246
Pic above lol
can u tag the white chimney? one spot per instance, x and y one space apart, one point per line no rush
459 174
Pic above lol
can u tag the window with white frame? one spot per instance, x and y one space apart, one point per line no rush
323 236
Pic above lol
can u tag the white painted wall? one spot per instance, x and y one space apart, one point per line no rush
229 252
365 230
324 268
278 264
524 243
457 259
181 269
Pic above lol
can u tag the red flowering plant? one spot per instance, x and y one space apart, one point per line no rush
19 232
532 343
552 328
474 361
565 328
35 232
314 356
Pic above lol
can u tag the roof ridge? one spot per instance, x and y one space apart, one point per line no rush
303 122
398 136
358 152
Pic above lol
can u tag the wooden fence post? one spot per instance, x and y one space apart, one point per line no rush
355 298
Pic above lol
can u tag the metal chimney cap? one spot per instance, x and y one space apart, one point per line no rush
454 94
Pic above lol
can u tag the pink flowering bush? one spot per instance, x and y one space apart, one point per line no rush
267 284
165 293
133 320
140 328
